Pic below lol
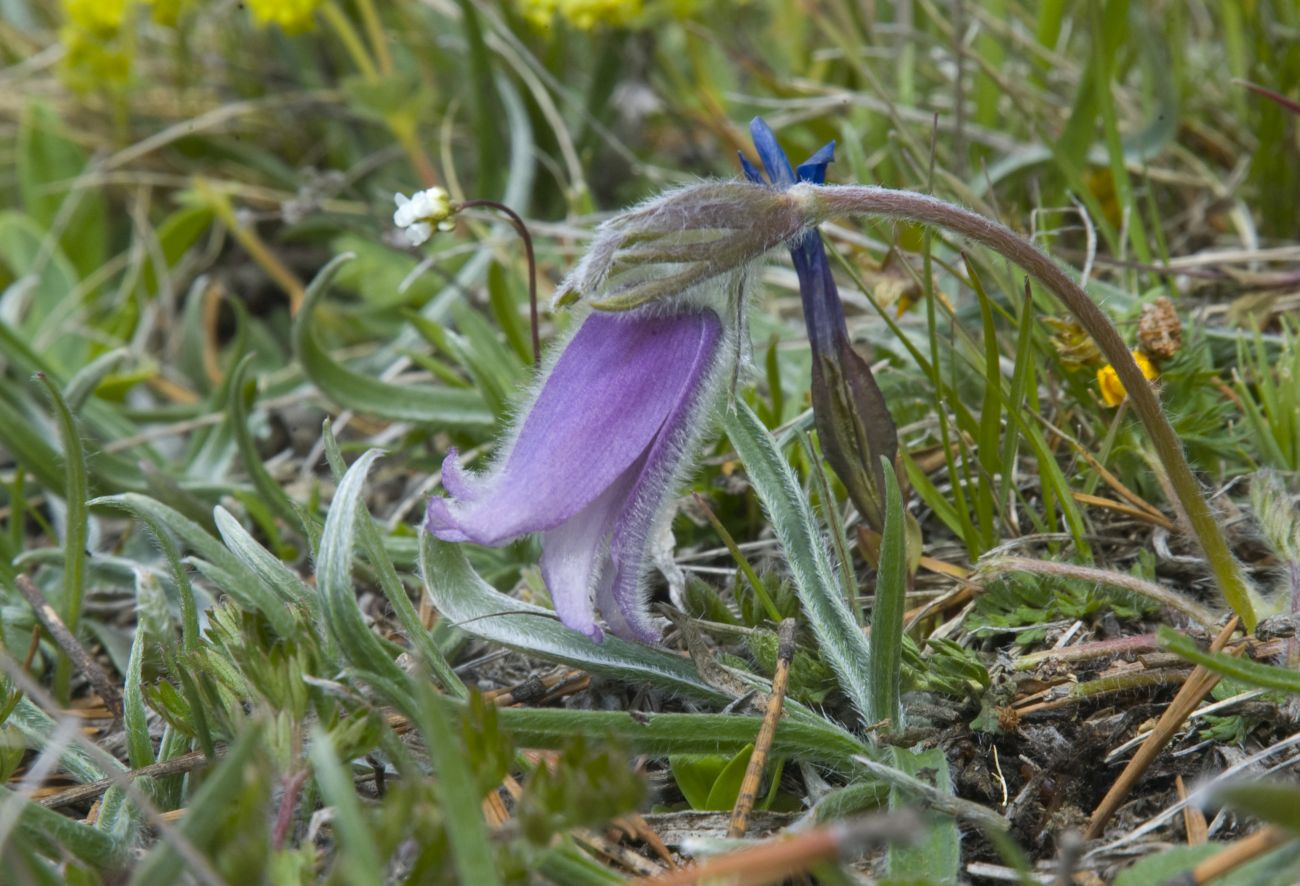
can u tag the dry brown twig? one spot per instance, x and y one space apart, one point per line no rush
72 648
773 860
1198 685
766 732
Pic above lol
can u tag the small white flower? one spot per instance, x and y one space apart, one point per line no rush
420 213
417 232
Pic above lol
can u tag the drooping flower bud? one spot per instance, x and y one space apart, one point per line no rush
671 246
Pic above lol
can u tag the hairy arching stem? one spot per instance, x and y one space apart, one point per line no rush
825 202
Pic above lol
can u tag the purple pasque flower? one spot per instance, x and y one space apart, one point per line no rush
594 461
853 422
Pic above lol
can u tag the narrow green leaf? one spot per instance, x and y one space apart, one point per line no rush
1174 865
355 390
695 775
76 524
665 734
49 164
87 379
887 617
177 233
840 639
334 578
470 847
139 748
936 857
476 608
269 568
241 396
726 787
238 580
1268 801
356 860
1252 673
990 428
391 584
49 827
206 811
40 731
486 102
835 528
52 278
28 447
74 491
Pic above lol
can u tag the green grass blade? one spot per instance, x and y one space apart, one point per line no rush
356 860
664 734
466 830
268 567
241 396
139 748
76 525
48 827
391 584
210 806
354 390
887 617
1252 673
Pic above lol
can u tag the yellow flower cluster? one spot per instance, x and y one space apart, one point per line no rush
291 16
99 38
582 14
103 17
1112 391
97 43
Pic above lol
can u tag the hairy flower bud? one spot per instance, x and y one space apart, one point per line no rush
674 244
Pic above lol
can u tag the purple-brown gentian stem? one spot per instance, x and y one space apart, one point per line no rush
840 200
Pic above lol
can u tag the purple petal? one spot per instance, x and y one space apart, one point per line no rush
575 554
453 480
599 409
621 595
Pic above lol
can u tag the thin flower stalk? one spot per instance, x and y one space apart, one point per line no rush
824 203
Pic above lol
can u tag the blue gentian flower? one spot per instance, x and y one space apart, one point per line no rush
853 423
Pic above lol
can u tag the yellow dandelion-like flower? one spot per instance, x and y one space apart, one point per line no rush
1112 391
291 16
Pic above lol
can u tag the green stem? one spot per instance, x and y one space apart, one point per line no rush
831 201
742 562
375 31
351 40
